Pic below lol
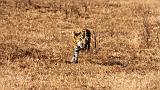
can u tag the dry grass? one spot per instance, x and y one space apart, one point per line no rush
36 40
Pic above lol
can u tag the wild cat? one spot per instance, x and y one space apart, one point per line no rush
82 42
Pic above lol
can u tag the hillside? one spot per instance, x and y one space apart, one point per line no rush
36 41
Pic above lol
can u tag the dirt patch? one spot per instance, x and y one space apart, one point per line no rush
11 52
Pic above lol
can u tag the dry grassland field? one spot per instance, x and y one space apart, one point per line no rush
36 41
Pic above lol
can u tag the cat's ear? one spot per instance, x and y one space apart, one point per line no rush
74 33
84 29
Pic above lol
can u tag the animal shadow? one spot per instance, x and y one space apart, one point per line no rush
110 61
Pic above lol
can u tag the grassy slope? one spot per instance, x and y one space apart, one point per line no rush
35 42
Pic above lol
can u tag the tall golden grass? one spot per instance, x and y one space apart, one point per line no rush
36 40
